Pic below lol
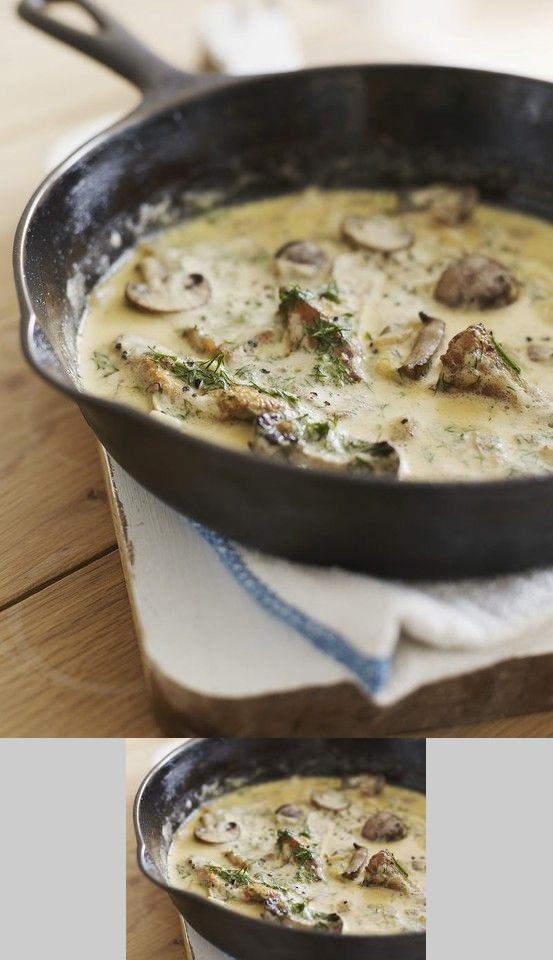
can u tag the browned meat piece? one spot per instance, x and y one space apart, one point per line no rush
200 341
246 403
301 918
357 861
383 870
427 344
384 826
476 281
313 445
309 326
474 362
237 885
448 203
298 850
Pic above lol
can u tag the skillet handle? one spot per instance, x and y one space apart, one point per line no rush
111 45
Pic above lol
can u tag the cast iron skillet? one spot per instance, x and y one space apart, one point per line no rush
171 791
347 126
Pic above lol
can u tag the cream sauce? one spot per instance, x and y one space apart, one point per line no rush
451 435
364 909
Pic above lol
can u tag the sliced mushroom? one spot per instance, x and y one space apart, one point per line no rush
383 870
540 351
357 861
380 232
425 347
384 826
448 203
330 800
215 830
290 812
167 287
373 785
478 282
301 258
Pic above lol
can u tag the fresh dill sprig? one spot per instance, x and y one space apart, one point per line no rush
507 360
201 374
234 878
331 292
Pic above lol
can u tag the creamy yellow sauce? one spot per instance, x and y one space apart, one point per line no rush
451 435
256 856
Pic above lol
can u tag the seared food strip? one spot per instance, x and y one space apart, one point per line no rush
476 362
427 344
297 849
238 885
310 444
188 384
300 917
476 281
308 326
383 870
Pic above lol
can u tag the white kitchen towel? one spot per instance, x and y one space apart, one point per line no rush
231 622
363 623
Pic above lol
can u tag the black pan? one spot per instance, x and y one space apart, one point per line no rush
172 790
371 126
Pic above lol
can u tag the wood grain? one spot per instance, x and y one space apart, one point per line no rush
153 929
69 663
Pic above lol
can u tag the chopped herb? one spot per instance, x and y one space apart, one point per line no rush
330 368
507 360
289 296
104 364
316 431
234 878
202 374
331 292
400 867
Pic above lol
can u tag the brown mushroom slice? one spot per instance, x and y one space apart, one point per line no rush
216 830
540 351
381 232
476 282
167 287
302 258
425 347
450 204
383 870
373 785
357 861
384 826
290 812
330 800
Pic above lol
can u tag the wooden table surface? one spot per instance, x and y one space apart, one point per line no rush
69 662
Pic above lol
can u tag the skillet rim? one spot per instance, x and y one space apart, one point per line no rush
141 848
156 102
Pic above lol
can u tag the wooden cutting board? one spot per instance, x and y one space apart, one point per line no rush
175 659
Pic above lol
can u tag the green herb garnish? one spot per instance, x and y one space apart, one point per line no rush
507 360
104 364
331 292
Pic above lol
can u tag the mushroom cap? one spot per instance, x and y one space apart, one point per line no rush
379 232
384 826
447 202
330 800
167 287
476 281
290 812
217 831
302 257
